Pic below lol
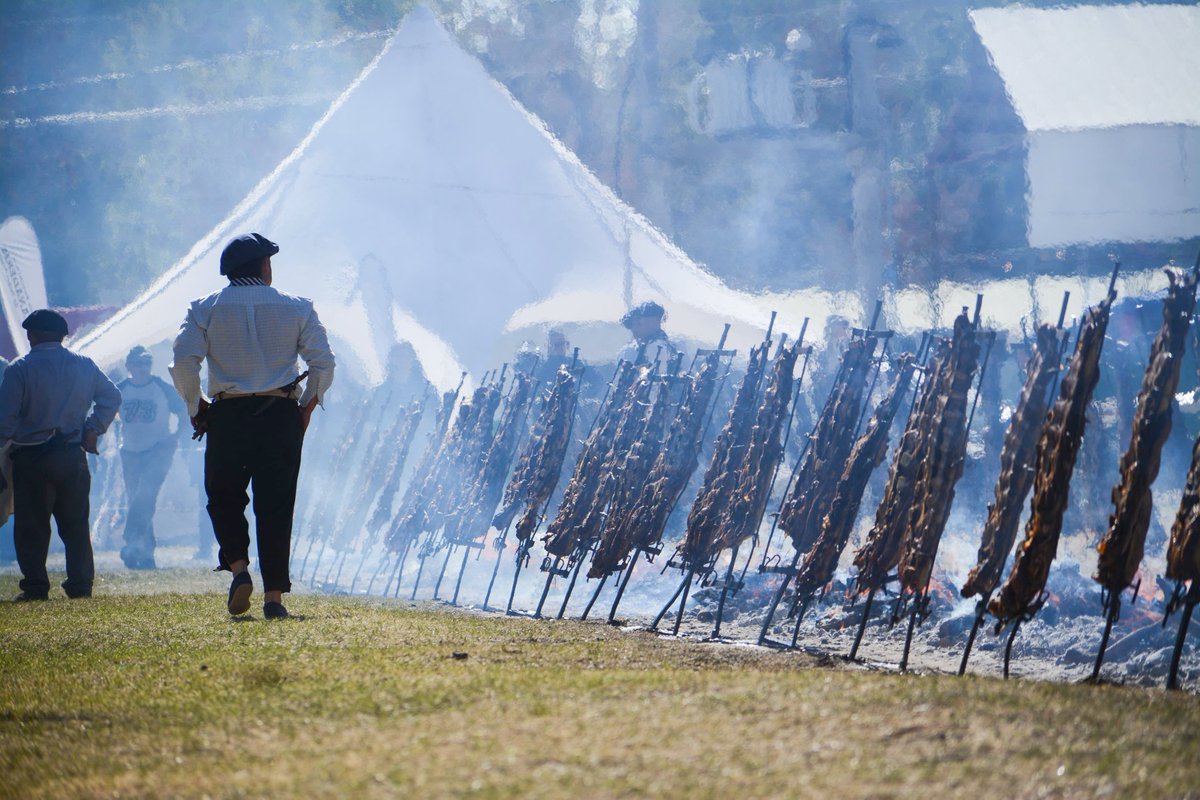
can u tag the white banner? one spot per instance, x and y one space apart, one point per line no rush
22 286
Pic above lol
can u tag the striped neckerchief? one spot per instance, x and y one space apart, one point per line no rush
247 282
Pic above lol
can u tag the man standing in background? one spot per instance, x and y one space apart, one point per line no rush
251 335
147 449
54 405
650 341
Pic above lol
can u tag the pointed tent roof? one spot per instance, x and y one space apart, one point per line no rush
428 206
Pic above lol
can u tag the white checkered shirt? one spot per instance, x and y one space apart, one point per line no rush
251 335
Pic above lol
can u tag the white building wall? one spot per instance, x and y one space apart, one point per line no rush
1131 183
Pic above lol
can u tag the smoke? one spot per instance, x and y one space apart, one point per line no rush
201 64
178 111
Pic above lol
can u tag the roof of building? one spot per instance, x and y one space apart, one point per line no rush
1097 66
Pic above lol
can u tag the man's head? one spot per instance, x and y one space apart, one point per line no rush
248 256
43 326
138 362
556 343
644 320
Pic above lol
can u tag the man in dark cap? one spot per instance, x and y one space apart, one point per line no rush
147 449
251 335
54 405
650 341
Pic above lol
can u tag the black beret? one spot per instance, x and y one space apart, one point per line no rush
244 249
46 321
646 309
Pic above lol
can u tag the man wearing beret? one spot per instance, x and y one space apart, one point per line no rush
251 336
54 405
650 341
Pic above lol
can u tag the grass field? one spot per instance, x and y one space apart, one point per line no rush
163 695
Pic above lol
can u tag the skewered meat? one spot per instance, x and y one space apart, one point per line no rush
1183 552
752 449
563 534
829 445
868 453
615 539
394 468
397 539
537 472
1122 547
1016 466
1057 450
643 523
881 551
720 479
420 509
484 494
943 463
749 502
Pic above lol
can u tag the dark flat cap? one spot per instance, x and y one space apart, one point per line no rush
244 249
46 321
646 309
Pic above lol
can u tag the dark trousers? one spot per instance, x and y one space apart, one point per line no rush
254 442
8 552
52 479
144 473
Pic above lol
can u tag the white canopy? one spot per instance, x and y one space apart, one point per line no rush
428 206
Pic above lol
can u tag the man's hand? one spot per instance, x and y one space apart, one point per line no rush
200 421
306 412
91 441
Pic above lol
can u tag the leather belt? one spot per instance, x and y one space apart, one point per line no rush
234 395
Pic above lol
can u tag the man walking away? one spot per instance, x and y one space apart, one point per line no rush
147 449
54 405
251 335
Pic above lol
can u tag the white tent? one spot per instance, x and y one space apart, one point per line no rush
22 286
428 206
1110 98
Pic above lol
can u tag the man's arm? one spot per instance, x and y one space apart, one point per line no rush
314 349
175 406
12 390
106 401
191 346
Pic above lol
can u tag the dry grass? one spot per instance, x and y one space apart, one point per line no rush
163 695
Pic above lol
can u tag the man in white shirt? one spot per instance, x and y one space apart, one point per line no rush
251 335
147 449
